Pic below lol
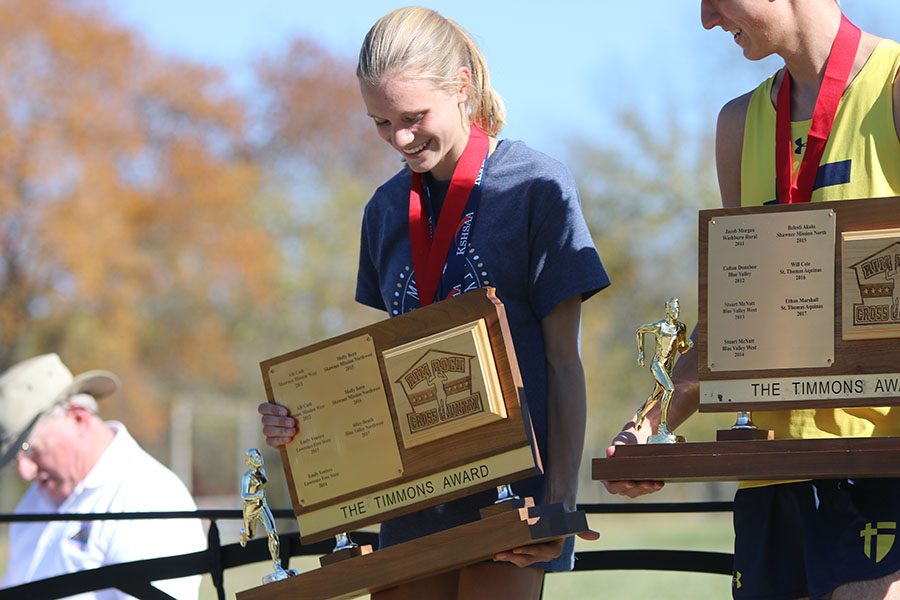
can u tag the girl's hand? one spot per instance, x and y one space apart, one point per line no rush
278 425
525 556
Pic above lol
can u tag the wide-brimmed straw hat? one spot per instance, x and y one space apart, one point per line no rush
32 387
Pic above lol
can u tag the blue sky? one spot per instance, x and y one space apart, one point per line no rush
564 68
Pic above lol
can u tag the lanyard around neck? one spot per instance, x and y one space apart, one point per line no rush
429 256
837 73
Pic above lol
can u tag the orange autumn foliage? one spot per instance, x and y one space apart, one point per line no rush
128 235
315 116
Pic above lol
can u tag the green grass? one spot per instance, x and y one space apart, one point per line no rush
706 532
660 532
4 547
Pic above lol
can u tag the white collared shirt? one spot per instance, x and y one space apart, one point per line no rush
124 479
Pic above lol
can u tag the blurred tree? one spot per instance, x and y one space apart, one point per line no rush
640 192
314 121
323 161
128 237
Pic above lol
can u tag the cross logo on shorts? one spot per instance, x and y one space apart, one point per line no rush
736 580
883 541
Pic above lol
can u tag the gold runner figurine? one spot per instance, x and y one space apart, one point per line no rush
671 339
256 510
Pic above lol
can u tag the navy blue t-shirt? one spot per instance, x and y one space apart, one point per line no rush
530 242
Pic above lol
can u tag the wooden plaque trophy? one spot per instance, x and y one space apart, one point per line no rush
799 308
398 416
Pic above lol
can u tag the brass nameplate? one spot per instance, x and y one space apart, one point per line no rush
346 440
850 388
871 284
413 492
444 383
771 291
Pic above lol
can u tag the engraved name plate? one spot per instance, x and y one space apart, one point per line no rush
346 441
771 291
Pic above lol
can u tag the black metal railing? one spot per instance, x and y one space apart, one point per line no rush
135 578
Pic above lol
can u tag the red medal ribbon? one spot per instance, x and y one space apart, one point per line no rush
837 72
430 255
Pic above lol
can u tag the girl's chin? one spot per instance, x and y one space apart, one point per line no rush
418 164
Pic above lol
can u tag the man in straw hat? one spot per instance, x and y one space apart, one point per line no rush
78 463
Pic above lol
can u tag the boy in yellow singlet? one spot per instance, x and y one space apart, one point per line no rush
817 539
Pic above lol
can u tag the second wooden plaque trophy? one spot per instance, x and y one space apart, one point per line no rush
799 308
404 414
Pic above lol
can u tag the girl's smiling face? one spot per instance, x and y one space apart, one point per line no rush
427 124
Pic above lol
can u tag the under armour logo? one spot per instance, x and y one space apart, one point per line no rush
883 541
736 580
800 145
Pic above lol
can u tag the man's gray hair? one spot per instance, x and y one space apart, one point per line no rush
85 401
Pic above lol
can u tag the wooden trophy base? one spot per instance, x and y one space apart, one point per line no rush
334 557
759 460
496 531
744 434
